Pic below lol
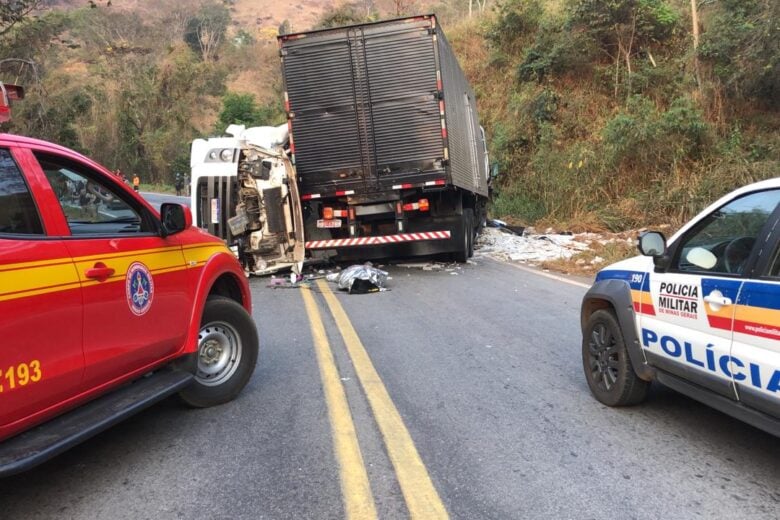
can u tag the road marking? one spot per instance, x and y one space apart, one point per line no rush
420 495
358 500
548 275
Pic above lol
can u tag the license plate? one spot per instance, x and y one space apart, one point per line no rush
332 223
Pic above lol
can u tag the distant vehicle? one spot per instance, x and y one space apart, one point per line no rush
701 315
107 306
384 154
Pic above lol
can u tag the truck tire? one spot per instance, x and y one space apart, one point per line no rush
227 354
608 369
471 226
465 237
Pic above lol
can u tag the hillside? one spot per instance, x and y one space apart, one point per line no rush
601 115
259 16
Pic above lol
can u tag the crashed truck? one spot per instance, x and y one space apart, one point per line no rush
383 154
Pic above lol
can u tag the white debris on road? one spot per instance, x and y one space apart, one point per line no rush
530 248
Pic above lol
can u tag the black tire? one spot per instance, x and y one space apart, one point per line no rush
227 354
481 219
465 237
608 369
472 230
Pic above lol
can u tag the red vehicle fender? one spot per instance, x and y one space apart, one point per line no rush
213 271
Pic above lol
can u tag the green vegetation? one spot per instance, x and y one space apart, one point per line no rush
129 90
349 13
602 114
242 109
598 119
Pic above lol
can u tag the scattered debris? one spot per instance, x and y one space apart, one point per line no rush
360 279
290 282
447 267
296 281
533 249
425 266
506 228
574 253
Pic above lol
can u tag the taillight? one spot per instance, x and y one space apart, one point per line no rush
331 213
420 205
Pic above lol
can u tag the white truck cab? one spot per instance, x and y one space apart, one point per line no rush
700 315
244 190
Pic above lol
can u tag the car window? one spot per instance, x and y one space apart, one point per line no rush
18 214
724 240
774 268
92 206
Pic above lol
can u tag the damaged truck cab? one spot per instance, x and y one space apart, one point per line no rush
244 190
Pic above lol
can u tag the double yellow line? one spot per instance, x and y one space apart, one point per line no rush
419 493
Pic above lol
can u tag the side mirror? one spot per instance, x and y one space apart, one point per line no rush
175 218
653 243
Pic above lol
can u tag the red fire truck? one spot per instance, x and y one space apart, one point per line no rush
106 305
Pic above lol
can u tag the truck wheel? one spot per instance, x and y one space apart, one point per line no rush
227 354
608 369
466 237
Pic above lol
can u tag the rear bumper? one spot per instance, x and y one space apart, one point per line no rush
338 243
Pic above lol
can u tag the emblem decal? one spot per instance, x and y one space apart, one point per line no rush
140 288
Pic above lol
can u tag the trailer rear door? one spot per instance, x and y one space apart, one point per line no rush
364 105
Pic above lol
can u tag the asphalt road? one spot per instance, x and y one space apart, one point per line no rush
483 368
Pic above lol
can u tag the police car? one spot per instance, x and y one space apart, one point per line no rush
700 315
106 305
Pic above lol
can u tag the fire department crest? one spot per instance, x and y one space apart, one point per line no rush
140 288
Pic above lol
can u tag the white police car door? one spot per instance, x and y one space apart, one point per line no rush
755 351
689 332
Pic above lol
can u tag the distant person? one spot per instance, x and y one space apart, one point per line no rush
179 184
136 182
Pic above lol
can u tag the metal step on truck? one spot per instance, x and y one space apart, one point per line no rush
383 154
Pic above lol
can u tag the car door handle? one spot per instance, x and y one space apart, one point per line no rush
99 272
717 300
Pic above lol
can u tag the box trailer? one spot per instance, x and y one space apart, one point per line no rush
385 140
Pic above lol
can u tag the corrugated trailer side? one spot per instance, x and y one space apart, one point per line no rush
466 157
363 105
320 101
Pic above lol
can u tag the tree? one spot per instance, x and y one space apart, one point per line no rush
206 30
345 14
401 7
742 44
623 28
242 109
14 11
480 6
